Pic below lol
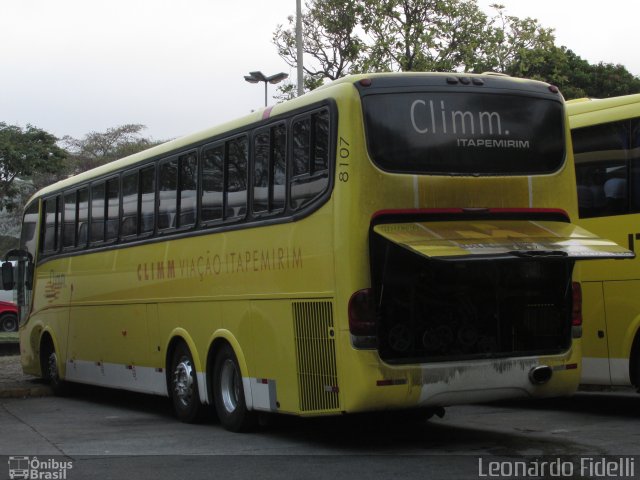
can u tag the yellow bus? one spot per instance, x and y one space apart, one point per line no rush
389 241
606 143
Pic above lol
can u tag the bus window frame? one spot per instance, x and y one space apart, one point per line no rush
244 217
630 164
311 173
269 128
65 194
57 196
201 155
181 156
105 207
133 236
171 228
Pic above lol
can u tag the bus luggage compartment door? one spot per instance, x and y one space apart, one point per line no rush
454 290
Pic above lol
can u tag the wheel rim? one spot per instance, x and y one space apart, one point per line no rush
230 385
183 381
9 324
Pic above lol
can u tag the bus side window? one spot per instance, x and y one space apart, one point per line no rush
97 212
212 183
261 149
129 226
70 220
113 209
602 169
310 158
52 224
635 165
147 199
236 178
279 166
83 216
269 169
168 187
188 189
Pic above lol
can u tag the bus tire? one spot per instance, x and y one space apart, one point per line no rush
228 393
51 371
183 386
9 322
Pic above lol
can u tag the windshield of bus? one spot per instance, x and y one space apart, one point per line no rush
464 133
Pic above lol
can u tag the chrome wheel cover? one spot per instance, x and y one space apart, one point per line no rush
230 385
183 382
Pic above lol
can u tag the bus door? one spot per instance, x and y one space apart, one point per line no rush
17 275
18 267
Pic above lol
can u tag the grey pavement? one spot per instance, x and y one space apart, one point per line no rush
15 384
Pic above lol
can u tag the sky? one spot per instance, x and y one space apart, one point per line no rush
177 66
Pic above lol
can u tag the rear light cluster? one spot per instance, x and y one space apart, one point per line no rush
362 319
576 310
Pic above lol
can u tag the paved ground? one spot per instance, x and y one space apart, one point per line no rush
15 384
109 434
113 434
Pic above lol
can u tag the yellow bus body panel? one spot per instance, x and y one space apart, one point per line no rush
611 302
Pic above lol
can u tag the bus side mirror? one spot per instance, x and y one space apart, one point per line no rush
7 276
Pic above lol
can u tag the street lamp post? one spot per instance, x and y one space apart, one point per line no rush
299 46
255 77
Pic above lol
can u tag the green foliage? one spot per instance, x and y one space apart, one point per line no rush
329 36
508 38
25 153
575 76
98 148
359 36
421 35
405 35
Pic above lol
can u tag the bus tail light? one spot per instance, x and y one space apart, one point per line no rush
576 311
362 319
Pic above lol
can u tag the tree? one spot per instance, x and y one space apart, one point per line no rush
329 37
509 38
575 76
406 35
422 35
98 148
25 153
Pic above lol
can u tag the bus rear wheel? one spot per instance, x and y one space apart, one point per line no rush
183 386
228 393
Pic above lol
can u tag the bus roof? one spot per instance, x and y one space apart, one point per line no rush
176 145
592 111
181 143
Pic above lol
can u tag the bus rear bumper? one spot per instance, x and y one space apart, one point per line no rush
444 384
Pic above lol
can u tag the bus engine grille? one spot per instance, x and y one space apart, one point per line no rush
315 356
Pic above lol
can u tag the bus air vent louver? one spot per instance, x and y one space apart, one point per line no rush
316 356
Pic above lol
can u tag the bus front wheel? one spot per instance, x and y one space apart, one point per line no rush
228 393
51 370
184 386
